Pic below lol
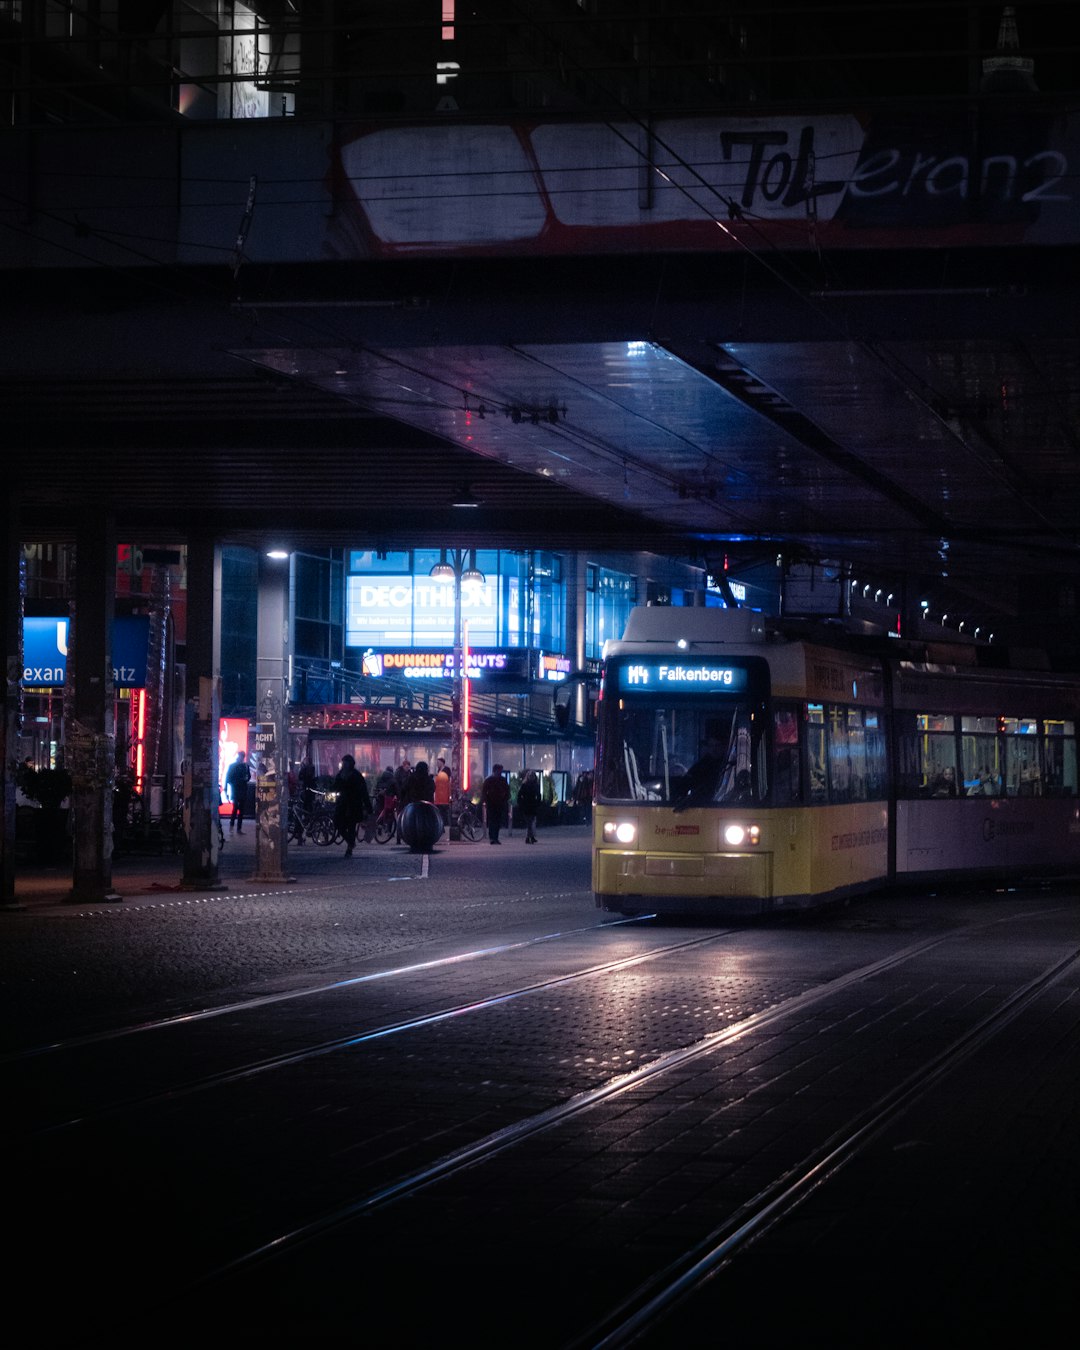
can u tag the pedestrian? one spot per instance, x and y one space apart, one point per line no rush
421 785
583 790
528 800
353 802
237 779
306 778
442 790
494 798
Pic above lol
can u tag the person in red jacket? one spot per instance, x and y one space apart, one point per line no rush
494 798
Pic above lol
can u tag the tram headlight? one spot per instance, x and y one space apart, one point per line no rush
738 835
619 831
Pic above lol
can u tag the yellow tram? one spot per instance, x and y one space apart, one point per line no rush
740 772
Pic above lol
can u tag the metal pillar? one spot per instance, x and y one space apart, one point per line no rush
11 635
90 738
202 711
271 751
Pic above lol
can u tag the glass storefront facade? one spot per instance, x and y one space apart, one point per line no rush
610 596
392 600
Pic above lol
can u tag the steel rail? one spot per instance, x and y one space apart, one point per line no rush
263 1000
485 1149
353 1039
640 1313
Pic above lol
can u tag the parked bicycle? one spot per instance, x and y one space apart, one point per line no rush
467 818
174 833
385 817
314 821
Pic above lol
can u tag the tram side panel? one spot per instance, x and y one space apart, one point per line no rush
981 836
848 850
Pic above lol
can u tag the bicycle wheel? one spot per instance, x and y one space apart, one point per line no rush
384 831
470 826
324 831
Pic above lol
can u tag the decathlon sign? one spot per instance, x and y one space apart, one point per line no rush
412 610
45 651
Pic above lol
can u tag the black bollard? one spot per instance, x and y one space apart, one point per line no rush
421 826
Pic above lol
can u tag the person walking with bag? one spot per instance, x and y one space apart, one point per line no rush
528 800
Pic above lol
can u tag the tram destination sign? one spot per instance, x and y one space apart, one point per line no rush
682 677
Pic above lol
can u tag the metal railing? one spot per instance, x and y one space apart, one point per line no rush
71 60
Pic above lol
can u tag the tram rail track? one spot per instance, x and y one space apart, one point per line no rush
259 1248
643 1307
305 991
650 1304
353 1039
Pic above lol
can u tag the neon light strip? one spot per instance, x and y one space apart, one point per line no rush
464 702
140 733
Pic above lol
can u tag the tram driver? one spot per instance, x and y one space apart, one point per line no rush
700 782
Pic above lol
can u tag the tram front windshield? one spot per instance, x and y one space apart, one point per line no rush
683 733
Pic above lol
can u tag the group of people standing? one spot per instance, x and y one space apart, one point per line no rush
496 803
416 783
394 790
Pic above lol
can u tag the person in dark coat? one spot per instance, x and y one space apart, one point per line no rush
353 802
528 800
306 778
236 785
419 787
494 798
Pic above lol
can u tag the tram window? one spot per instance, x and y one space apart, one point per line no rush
980 751
787 784
856 739
686 753
875 758
856 755
1023 760
839 758
1059 759
815 752
927 747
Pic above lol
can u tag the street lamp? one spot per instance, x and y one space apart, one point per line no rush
459 566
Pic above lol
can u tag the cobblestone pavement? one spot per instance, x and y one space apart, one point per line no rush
478 988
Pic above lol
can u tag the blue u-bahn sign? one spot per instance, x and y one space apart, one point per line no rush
45 651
